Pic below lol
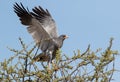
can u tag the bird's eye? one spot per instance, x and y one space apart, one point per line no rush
64 36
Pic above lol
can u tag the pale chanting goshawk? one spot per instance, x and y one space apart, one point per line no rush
42 27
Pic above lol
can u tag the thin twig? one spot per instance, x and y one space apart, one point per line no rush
86 50
113 69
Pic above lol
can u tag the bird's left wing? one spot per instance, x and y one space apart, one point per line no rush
35 27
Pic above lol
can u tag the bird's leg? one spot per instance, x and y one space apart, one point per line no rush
37 49
53 63
50 59
48 66
50 56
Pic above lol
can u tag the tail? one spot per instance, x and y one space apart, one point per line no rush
41 58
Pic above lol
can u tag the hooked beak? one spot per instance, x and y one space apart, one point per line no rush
66 37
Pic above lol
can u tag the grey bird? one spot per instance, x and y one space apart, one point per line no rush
42 27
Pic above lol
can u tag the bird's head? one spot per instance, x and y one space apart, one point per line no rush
63 37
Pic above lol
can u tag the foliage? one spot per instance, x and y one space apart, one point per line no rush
89 66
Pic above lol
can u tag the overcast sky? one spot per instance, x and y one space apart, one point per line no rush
86 22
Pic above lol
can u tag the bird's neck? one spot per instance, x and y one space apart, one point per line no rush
60 43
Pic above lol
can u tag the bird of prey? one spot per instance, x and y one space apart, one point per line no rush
42 27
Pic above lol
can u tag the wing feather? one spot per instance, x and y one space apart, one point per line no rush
46 20
35 28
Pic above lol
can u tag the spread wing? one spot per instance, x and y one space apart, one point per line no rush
46 20
37 28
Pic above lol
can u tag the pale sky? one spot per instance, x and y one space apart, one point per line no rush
86 22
